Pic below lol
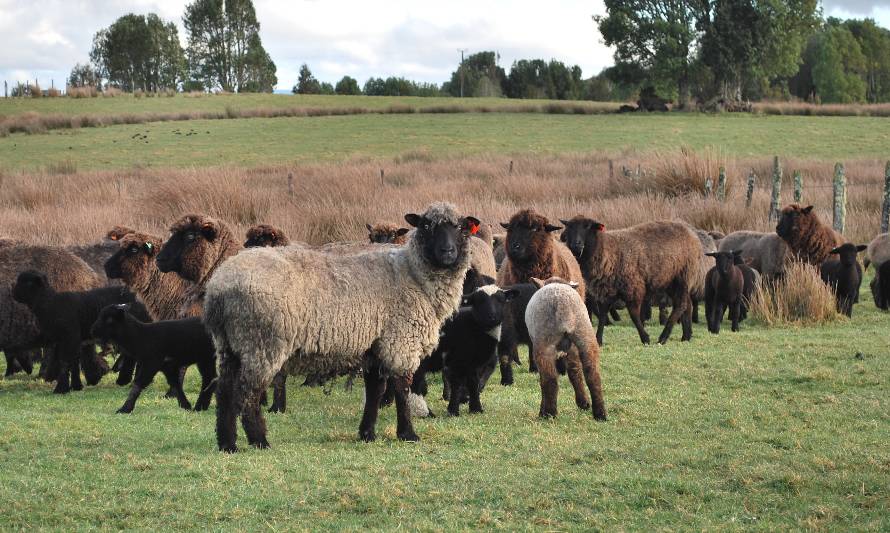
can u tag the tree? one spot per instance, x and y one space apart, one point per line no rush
306 83
347 86
139 52
875 44
325 88
839 66
83 75
224 46
481 77
653 39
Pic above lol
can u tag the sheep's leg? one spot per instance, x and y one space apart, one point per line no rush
546 358
127 365
172 374
590 363
404 428
633 309
66 353
734 313
645 312
695 310
94 365
576 377
208 385
143 379
446 387
227 403
419 385
485 372
600 325
680 301
687 322
375 386
171 392
709 314
614 314
74 371
472 383
719 311
279 392
454 397
252 414
662 314
24 360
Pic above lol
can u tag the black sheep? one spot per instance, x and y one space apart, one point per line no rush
64 320
514 332
467 351
880 286
164 346
752 279
724 285
844 276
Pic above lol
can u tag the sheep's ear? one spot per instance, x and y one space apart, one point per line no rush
208 230
551 228
711 254
509 294
600 227
272 235
563 222
402 231
470 225
861 247
806 209
413 219
573 284
537 282
505 225
369 227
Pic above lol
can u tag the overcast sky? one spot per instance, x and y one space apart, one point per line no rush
416 39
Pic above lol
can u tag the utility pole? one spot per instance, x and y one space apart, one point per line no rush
461 69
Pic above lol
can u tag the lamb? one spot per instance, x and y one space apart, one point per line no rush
467 351
807 238
879 254
724 287
558 322
844 276
751 281
326 313
118 232
387 233
265 235
765 252
164 346
19 333
65 318
514 331
628 264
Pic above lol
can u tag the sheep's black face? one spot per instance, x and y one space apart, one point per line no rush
580 233
725 261
28 286
109 323
170 258
790 220
488 304
847 253
442 243
130 252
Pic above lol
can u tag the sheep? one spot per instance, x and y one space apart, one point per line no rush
880 286
387 233
324 312
878 250
879 254
467 350
697 292
163 346
485 233
65 318
765 252
514 331
265 235
751 282
118 232
500 251
724 287
628 264
844 276
558 324
807 238
19 333
716 235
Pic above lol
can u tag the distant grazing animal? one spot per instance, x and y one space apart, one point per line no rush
724 287
558 323
265 235
844 276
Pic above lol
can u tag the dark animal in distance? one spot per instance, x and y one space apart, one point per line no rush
844 276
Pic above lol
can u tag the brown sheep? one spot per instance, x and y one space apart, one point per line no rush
630 264
879 254
484 232
808 239
533 252
387 233
878 250
265 235
118 232
764 252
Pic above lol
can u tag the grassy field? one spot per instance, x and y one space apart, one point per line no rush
263 141
765 429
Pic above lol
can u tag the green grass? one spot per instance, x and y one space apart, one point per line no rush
766 429
251 142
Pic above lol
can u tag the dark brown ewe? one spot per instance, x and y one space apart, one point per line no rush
724 287
265 235
844 276
630 264
808 239
387 233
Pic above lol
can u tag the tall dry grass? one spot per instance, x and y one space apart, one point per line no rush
827 110
333 201
799 297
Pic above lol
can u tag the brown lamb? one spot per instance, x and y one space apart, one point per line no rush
808 239
265 235
629 264
387 233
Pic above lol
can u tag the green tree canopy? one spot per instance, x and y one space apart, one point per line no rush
306 82
481 77
347 85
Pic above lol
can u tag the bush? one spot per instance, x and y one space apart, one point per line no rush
799 297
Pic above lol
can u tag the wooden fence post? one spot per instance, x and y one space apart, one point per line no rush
885 211
777 190
382 181
721 185
290 184
611 170
709 186
798 186
511 167
840 197
750 193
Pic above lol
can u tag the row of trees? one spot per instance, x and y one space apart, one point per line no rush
143 52
742 49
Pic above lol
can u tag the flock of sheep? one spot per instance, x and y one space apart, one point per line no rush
445 295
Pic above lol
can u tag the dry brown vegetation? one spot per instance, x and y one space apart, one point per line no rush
799 297
333 202
828 110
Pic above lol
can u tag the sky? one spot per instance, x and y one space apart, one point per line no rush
419 40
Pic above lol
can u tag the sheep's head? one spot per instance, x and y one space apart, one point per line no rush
796 220
194 247
441 235
847 253
487 304
725 260
387 233
553 280
581 234
30 285
528 236
133 262
265 235
110 323
118 232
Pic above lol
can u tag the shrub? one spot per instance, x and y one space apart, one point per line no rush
799 297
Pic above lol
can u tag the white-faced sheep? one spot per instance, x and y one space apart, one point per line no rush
558 323
629 264
327 312
844 276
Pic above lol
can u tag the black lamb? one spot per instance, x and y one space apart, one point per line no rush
514 332
724 285
751 278
64 320
164 346
844 276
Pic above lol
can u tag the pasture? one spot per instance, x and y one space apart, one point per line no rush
769 428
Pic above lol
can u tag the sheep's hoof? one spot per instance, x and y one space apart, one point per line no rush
506 382
545 415
229 448
454 412
124 410
123 380
276 409
645 339
200 408
367 435
59 390
170 393
77 386
477 410
261 445
686 338
585 405
409 436
601 417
